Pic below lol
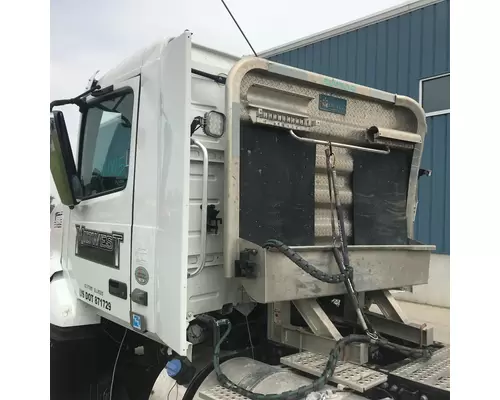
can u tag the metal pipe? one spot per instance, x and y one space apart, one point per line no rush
358 247
204 207
335 144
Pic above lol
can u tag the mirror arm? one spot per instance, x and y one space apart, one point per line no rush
75 100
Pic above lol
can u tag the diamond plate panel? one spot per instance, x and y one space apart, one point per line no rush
434 372
343 160
221 393
356 377
361 114
323 226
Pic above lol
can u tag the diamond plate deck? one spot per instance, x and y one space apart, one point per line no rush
221 393
434 372
356 377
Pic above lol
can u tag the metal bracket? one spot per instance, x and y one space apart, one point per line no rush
246 267
280 330
212 220
388 305
424 172
316 318
394 321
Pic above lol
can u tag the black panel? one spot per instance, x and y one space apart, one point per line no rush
276 186
380 186
118 289
99 247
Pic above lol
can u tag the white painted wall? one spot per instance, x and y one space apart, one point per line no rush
437 291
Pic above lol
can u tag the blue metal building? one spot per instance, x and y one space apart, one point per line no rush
404 50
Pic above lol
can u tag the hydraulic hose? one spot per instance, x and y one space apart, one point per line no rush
317 384
303 264
342 258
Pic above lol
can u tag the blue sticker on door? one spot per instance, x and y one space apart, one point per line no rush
136 322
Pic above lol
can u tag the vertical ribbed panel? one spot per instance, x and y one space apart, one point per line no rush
394 55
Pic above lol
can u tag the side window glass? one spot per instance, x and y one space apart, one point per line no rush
106 144
435 95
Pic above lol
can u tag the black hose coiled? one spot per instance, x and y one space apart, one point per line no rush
317 384
303 264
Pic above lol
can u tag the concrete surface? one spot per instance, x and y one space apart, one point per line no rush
437 290
439 317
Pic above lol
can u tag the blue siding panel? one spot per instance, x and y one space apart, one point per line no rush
441 32
361 57
351 55
286 58
302 58
371 55
342 58
294 58
403 55
324 51
334 56
433 216
394 55
381 65
428 42
415 52
309 58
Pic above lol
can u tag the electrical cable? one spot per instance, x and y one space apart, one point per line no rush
170 391
386 393
250 337
241 30
116 363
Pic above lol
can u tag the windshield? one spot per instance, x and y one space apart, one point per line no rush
105 145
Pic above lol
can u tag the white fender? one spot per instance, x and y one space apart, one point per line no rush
65 308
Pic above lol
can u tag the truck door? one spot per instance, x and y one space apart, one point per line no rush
101 223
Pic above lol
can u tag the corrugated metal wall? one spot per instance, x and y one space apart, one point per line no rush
394 55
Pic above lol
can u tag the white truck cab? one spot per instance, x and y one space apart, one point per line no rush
135 233
209 190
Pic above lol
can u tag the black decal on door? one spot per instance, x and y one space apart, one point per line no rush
99 247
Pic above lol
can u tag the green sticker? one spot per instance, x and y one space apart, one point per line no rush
340 85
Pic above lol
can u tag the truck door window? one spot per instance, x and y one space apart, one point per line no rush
105 145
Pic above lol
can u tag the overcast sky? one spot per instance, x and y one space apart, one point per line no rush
95 35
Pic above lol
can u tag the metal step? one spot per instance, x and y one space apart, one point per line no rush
354 376
221 393
434 372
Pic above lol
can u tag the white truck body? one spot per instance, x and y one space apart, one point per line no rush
149 233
